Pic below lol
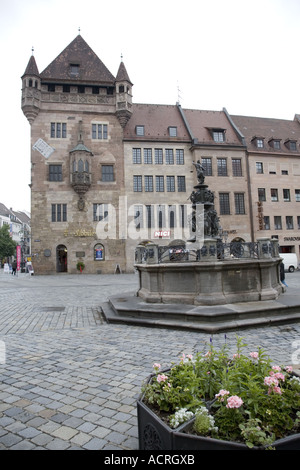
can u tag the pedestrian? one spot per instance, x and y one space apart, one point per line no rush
282 274
14 267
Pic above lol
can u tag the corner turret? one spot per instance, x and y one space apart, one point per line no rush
31 90
123 95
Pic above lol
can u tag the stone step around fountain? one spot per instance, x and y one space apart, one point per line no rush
130 309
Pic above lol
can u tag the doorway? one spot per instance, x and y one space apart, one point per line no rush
61 259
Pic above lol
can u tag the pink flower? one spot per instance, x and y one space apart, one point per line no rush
279 376
189 357
222 393
236 356
289 369
254 355
277 368
156 366
161 378
234 402
271 381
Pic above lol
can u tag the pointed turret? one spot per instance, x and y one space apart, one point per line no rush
123 95
31 90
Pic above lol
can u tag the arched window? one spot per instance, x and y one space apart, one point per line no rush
30 82
80 166
86 166
99 252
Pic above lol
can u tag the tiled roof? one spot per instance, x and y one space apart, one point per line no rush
4 210
31 68
91 68
122 74
268 129
203 122
197 125
156 119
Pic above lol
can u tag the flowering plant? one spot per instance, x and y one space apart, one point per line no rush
238 397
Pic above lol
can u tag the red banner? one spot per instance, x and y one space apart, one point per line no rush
18 257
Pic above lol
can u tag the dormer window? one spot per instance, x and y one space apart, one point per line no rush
258 142
218 135
74 70
275 144
173 131
140 130
291 144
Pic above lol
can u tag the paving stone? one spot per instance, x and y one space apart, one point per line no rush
65 432
66 387
95 444
29 432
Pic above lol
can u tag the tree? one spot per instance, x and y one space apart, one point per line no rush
7 244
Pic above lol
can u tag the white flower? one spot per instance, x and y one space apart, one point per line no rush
180 417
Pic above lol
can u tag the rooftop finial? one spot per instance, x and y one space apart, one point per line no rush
32 50
79 30
121 57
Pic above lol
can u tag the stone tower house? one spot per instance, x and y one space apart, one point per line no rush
77 111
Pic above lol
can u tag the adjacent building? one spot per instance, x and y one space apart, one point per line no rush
108 173
19 228
274 174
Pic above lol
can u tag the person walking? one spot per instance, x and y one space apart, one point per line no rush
282 274
14 267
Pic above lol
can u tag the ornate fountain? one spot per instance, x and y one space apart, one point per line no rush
205 284
210 273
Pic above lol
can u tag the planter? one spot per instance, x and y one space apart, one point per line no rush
154 434
251 401
184 441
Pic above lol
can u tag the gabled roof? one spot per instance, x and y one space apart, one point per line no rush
91 68
268 129
202 123
4 210
192 125
31 68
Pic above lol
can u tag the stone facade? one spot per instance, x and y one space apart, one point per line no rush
108 174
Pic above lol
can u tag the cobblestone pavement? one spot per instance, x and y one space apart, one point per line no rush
69 380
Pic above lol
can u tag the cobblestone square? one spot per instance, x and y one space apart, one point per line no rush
70 380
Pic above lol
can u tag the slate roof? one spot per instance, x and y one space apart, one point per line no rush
91 68
268 129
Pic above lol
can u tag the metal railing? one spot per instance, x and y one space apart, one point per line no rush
219 251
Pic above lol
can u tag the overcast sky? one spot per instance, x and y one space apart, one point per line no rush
242 55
